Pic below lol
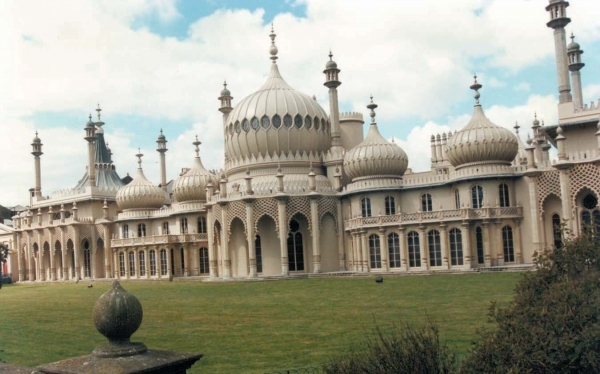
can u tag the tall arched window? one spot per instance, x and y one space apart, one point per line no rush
503 195
203 258
142 259
172 261
152 263
390 205
87 260
201 225
163 262
479 245
394 250
456 247
258 246
477 196
456 199
182 255
435 248
365 204
507 244
184 226
414 250
295 248
166 228
375 251
125 231
122 264
131 263
141 230
426 203
556 230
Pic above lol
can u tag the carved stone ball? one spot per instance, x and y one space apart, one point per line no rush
117 314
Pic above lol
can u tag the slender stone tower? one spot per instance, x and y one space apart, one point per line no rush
225 108
574 53
332 82
162 148
558 20
90 136
37 152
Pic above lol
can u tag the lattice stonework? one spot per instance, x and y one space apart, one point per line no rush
584 175
236 209
99 232
548 184
265 207
216 214
85 233
328 205
299 205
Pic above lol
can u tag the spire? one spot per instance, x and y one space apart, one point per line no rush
517 127
197 143
139 156
476 87
273 50
372 106
98 110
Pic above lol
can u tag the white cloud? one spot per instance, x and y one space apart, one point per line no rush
523 86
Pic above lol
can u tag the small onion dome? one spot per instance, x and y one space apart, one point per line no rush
36 140
225 91
161 136
192 185
331 64
573 46
481 141
140 193
90 123
375 157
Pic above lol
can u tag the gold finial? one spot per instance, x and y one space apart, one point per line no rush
273 50
476 86
372 106
197 144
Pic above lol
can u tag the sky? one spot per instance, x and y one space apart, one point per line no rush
160 64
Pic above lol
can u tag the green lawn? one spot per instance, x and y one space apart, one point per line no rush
248 327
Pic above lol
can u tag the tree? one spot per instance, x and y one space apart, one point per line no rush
552 323
3 259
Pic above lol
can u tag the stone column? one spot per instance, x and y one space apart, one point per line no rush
383 244
76 247
533 203
497 242
423 248
283 229
444 246
214 263
20 256
517 242
403 247
251 238
63 248
314 214
158 262
225 243
147 261
169 264
52 252
107 251
340 236
486 244
466 239
186 261
365 252
136 258
127 266
40 268
565 193
351 258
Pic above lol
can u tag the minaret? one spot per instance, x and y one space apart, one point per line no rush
162 148
37 152
574 53
332 82
90 136
225 108
558 20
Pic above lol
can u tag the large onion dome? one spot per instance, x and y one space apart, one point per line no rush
375 157
480 141
140 193
192 185
276 119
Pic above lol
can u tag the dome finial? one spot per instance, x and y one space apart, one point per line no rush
273 50
330 55
372 106
98 109
536 122
572 37
197 144
476 87
139 156
517 127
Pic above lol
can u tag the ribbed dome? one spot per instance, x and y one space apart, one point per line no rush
140 193
192 185
481 142
375 157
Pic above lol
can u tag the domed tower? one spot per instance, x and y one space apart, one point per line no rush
90 136
375 157
162 149
192 185
36 151
140 193
481 142
574 53
558 20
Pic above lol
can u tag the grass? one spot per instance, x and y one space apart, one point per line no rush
248 327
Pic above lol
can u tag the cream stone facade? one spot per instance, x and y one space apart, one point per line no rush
303 191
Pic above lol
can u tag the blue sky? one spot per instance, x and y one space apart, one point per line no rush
156 64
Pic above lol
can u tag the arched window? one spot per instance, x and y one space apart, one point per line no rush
201 225
394 250
596 218
172 262
87 260
163 262
456 247
507 244
295 248
477 196
141 230
556 230
258 247
456 199
435 248
122 264
152 263
375 251
142 259
590 202
203 258
183 228
365 204
479 245
125 231
165 228
426 203
390 205
503 195
182 255
131 263
414 250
